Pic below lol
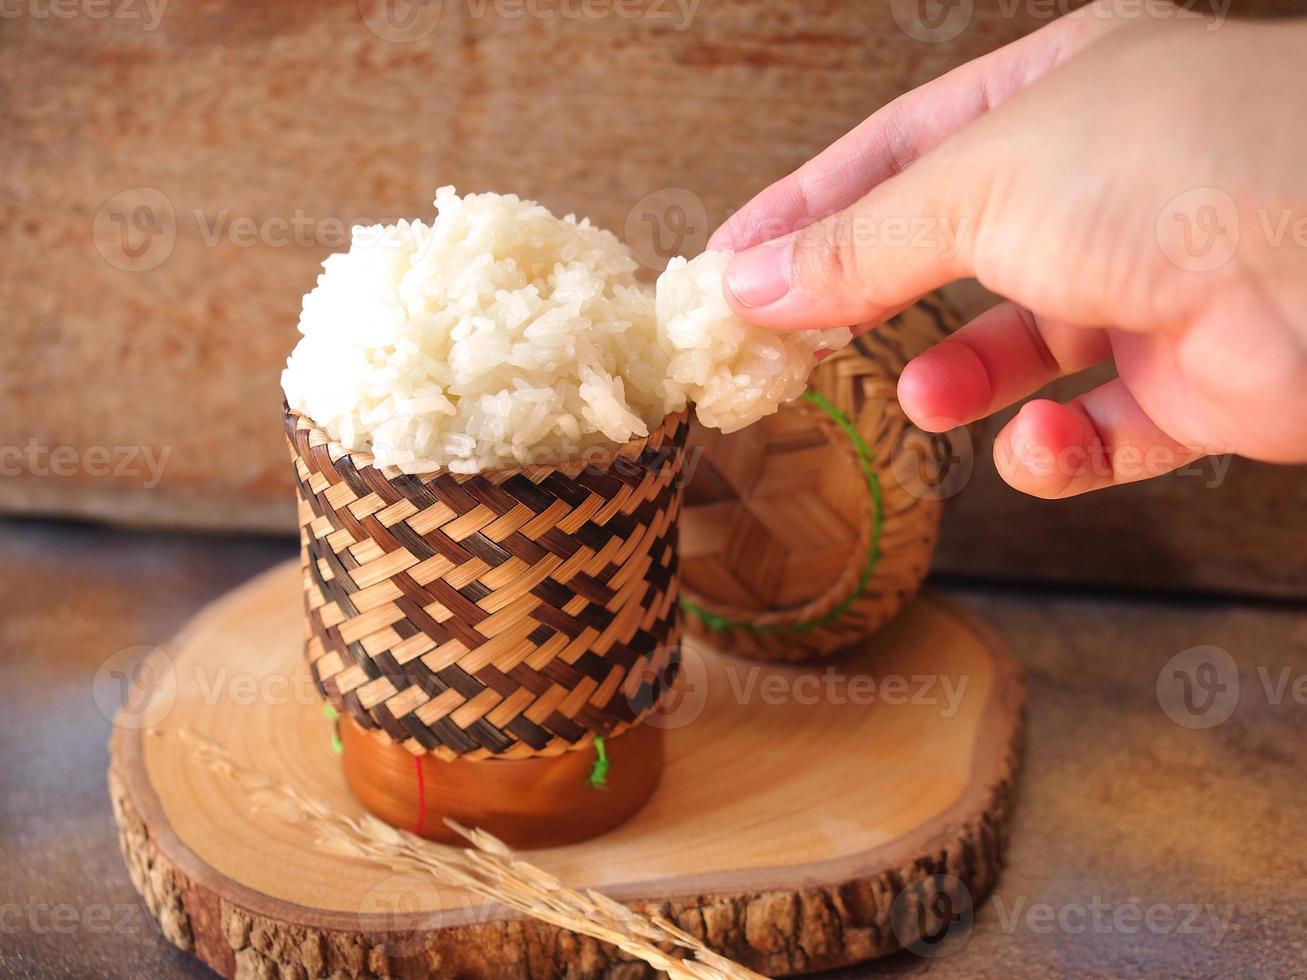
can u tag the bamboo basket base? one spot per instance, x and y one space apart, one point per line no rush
789 816
527 803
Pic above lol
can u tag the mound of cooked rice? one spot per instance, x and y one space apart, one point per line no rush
499 335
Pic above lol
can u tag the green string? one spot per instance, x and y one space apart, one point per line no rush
599 774
334 715
717 622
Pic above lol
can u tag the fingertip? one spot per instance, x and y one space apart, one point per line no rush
1033 451
944 387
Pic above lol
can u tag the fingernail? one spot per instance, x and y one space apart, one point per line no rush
761 275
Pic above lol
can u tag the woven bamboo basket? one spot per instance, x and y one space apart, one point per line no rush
810 529
502 618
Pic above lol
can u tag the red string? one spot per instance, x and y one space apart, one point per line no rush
422 797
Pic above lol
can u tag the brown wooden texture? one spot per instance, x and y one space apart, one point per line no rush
260 130
781 834
1118 804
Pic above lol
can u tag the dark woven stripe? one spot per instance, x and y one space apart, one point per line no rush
486 492
413 541
488 736
564 727
391 725
528 731
523 547
485 549
533 495
589 593
474 591
565 489
452 493
559 543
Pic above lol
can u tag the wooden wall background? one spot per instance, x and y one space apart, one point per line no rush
231 143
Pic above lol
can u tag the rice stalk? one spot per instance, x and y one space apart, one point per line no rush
489 869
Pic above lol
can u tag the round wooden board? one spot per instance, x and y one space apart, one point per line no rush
796 804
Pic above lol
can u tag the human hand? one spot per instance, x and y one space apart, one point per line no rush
1131 186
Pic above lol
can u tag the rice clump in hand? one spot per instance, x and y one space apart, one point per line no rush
499 336
734 372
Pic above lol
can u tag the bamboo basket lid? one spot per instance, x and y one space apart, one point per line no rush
810 529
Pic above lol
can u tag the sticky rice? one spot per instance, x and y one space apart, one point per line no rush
499 335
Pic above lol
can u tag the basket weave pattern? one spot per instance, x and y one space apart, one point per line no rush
505 614
808 531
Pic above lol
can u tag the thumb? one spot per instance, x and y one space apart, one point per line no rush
905 237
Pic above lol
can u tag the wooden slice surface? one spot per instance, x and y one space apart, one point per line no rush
795 805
